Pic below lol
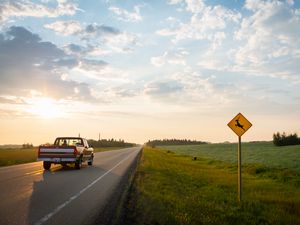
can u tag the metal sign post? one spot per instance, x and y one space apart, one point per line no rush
239 124
240 170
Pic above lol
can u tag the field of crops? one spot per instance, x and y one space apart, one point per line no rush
264 153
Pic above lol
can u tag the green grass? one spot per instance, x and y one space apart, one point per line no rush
10 157
173 189
252 153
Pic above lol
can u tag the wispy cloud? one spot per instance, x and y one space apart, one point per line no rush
127 16
25 8
204 22
173 58
269 40
97 35
65 27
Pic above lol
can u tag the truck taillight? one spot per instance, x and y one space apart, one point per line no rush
75 151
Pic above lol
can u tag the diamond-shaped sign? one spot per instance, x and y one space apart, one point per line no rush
239 124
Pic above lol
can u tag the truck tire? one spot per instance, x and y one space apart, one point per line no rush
46 165
90 162
78 164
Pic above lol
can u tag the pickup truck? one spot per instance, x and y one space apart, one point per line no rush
66 150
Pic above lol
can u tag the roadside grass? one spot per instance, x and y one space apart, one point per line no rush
10 156
174 189
264 153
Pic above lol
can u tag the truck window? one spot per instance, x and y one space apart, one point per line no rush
85 143
68 142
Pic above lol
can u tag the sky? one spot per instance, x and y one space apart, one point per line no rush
141 70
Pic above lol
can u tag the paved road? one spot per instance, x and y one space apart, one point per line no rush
30 195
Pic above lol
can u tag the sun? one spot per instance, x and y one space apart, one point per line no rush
46 108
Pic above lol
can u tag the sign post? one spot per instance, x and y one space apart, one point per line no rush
240 170
239 124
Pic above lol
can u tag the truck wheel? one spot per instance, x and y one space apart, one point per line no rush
46 165
78 164
90 162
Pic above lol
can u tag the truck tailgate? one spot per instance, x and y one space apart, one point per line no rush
57 154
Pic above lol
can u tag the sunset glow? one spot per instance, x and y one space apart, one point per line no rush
45 108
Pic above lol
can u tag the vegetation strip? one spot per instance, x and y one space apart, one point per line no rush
175 189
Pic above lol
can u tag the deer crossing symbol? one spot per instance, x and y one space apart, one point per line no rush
238 124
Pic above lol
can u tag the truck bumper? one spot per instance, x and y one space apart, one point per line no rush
57 160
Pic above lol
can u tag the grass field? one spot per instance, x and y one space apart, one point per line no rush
174 189
252 153
10 156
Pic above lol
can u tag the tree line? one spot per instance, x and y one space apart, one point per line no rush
156 142
27 146
284 139
110 143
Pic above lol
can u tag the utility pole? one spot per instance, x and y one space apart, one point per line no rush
99 137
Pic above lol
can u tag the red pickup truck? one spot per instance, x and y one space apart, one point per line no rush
66 150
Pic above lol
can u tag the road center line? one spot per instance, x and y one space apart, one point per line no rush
60 207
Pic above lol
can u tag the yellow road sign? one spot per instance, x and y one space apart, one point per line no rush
239 124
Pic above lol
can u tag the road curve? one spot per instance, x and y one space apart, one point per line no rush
30 195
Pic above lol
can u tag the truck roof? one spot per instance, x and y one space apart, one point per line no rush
70 138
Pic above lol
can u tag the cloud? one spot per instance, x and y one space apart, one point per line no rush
191 88
11 100
92 64
204 22
102 30
65 27
174 2
25 8
173 58
73 27
94 34
195 6
264 40
126 16
269 41
86 51
162 88
29 65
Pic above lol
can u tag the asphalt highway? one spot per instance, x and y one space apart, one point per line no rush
30 195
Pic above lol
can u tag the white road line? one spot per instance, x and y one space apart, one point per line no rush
60 207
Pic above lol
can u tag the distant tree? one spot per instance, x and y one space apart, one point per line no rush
110 143
284 139
27 146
